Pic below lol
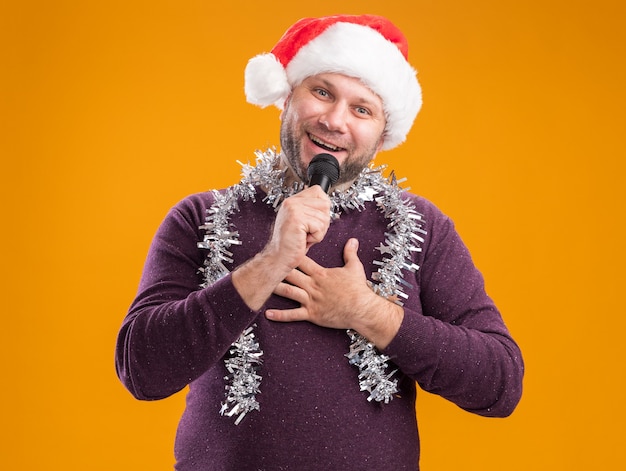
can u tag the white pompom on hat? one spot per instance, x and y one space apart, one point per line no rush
367 47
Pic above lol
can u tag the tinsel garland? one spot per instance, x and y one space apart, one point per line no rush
404 236
244 381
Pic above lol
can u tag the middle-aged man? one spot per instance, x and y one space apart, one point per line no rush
300 321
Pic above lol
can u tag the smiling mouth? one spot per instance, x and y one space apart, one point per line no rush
324 145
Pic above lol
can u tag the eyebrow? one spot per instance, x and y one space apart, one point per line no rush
361 99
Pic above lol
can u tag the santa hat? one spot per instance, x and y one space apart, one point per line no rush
367 47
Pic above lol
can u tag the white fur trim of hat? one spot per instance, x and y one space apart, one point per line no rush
367 47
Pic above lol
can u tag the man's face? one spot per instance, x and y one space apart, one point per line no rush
334 114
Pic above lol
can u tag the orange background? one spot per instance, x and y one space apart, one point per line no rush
112 111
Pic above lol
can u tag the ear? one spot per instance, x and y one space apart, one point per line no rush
381 142
285 106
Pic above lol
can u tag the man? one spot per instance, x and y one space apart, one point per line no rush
301 322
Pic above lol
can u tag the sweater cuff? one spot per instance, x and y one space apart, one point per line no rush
409 339
236 316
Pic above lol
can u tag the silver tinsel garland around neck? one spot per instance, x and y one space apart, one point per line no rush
404 236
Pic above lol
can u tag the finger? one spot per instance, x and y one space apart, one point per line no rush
308 266
306 208
315 237
316 192
313 198
350 252
287 315
297 278
313 223
292 292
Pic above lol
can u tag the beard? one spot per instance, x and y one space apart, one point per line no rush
349 169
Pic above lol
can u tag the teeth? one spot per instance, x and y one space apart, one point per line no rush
324 144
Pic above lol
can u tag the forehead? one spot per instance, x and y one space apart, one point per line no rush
345 85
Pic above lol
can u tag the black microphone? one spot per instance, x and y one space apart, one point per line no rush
323 171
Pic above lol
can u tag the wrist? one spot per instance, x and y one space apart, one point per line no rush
256 279
381 321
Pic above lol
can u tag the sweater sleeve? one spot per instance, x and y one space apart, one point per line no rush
453 341
175 331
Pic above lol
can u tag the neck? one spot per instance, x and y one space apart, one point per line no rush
290 176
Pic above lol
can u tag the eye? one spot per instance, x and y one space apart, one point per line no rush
360 110
321 92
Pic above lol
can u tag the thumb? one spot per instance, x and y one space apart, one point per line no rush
350 250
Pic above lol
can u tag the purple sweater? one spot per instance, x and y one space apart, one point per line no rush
312 415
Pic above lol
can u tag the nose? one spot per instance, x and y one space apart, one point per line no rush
335 117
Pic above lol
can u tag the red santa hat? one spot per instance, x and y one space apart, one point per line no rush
367 47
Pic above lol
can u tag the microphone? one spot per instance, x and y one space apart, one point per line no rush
323 171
